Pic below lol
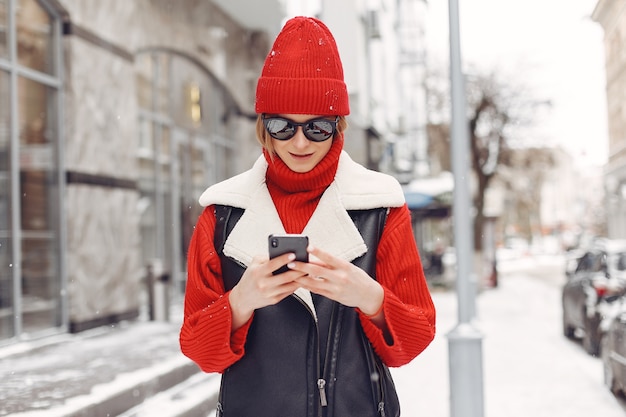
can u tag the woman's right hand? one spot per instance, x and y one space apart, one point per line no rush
258 287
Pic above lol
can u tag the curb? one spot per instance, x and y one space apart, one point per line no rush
124 392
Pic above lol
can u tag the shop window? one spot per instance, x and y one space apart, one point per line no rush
35 36
183 148
6 253
39 206
4 50
30 210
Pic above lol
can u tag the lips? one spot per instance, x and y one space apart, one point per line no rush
296 156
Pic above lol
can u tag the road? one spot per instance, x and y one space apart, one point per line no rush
529 368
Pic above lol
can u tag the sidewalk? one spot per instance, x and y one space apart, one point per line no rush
101 372
137 370
529 367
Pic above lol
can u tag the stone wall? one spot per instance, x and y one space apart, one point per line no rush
104 271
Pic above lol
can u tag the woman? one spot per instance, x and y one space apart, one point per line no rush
315 340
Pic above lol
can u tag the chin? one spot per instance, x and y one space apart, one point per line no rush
301 169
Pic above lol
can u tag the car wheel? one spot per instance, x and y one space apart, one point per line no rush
609 376
591 339
568 330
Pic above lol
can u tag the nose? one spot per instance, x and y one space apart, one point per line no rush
299 140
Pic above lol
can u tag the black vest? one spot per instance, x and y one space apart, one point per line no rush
288 355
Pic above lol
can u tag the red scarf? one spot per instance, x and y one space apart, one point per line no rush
295 194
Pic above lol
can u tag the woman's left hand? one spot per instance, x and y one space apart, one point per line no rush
340 281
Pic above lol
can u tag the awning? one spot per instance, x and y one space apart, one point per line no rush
435 192
417 200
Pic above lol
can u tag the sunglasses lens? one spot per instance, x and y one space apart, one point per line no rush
279 129
319 130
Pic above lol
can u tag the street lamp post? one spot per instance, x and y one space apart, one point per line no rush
465 340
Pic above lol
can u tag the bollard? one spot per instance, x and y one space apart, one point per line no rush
158 291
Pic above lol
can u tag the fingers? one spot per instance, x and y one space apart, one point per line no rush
321 264
280 261
324 257
266 268
318 285
258 287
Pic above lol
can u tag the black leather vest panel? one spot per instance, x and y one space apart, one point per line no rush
286 351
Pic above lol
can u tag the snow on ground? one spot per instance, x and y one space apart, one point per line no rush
529 368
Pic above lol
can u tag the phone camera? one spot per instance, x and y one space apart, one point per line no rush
274 243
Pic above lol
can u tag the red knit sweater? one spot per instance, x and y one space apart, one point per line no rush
206 337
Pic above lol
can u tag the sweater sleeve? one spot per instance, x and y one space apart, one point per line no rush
408 306
205 335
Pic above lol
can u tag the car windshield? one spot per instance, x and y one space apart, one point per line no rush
591 262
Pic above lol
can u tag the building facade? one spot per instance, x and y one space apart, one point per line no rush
114 116
382 45
611 15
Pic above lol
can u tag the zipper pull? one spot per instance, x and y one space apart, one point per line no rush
321 384
381 409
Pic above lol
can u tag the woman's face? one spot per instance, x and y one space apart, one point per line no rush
298 153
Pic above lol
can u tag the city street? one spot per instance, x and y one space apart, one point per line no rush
493 131
530 369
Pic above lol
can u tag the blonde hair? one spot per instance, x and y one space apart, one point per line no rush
265 139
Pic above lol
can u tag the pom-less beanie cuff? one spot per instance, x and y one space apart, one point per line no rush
322 96
303 73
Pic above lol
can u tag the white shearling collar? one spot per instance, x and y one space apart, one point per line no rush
330 227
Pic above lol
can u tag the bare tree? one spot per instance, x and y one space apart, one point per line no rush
498 113
523 176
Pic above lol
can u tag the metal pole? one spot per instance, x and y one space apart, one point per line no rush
464 341
14 177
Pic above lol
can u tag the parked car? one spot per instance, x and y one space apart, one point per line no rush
614 351
597 281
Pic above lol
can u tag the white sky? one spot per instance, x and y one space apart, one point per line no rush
552 46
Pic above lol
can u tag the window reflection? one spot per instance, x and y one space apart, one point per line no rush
6 275
38 206
183 110
4 50
34 34
144 79
30 279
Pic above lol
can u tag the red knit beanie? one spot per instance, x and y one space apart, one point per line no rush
303 72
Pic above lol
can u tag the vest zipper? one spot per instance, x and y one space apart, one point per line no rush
321 385
327 358
321 382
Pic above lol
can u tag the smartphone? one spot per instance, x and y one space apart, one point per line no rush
279 244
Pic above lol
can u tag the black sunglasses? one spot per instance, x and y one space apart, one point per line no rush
315 130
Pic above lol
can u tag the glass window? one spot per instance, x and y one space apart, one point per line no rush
164 150
190 88
144 80
6 253
145 146
181 150
34 34
39 206
194 173
4 50
29 129
161 77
